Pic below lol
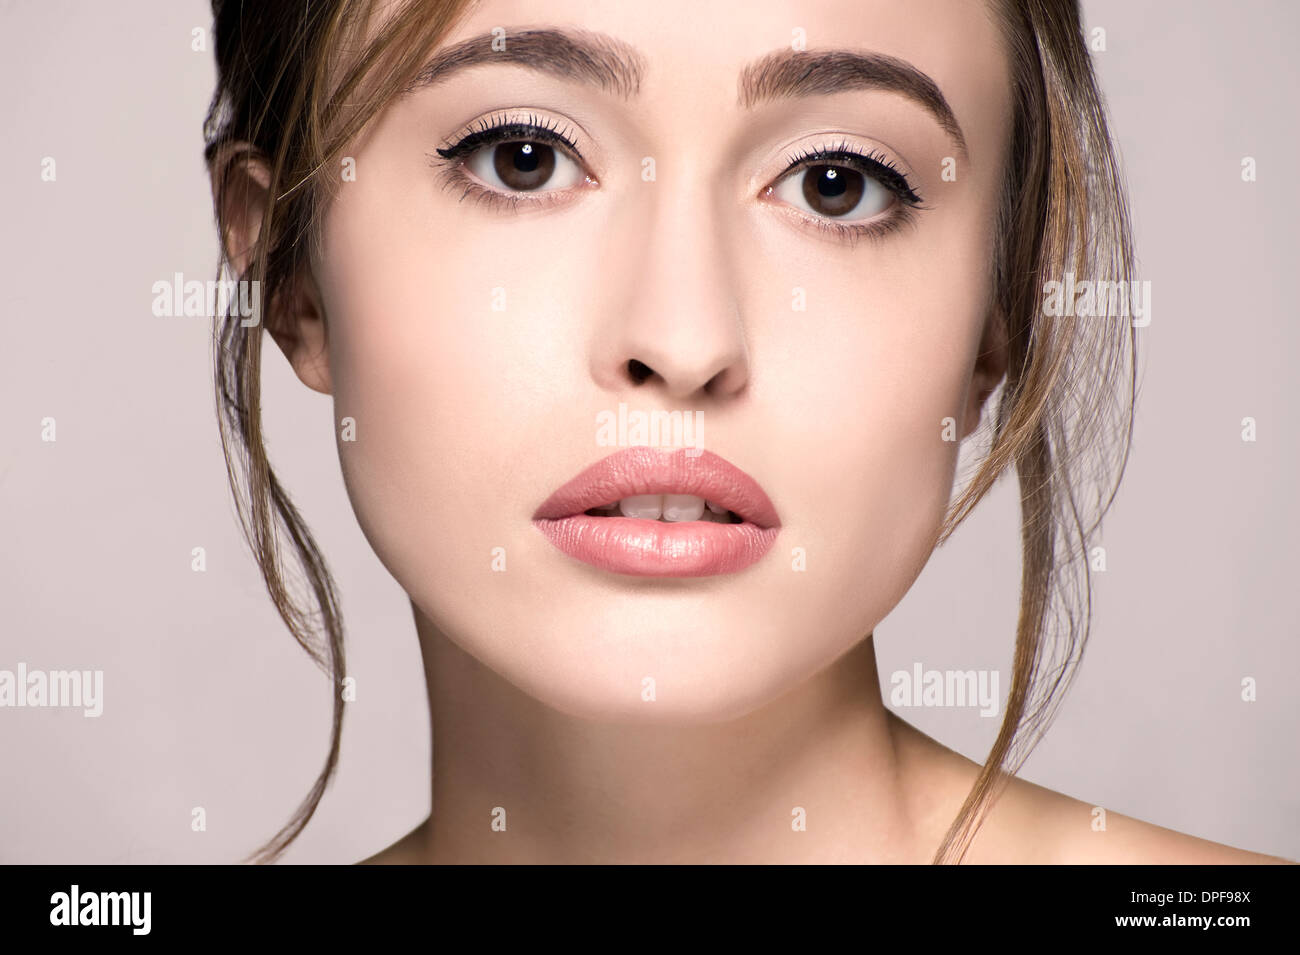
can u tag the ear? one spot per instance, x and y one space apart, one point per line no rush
294 316
990 367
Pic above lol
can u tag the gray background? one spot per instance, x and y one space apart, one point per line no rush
208 702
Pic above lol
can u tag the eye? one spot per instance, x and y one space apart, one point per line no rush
524 166
508 158
835 192
843 184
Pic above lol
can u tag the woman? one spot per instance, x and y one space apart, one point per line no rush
653 332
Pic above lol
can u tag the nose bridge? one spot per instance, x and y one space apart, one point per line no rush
681 318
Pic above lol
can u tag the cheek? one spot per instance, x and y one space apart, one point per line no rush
865 394
439 351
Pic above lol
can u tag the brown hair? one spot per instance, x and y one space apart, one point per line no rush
1063 417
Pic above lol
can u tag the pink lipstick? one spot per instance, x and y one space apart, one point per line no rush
651 513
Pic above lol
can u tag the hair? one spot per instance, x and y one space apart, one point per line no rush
297 82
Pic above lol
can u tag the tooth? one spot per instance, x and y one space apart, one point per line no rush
716 509
683 507
645 506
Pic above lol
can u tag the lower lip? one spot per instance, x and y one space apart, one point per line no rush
645 548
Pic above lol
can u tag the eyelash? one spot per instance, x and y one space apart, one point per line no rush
492 131
874 166
498 129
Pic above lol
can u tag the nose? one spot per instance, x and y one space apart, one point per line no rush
675 325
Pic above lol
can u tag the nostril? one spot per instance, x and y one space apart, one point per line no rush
639 370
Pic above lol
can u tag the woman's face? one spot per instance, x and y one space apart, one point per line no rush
489 309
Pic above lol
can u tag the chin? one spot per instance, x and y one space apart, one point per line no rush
711 659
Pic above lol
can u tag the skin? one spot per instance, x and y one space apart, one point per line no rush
468 418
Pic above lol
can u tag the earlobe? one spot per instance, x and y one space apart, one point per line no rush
293 313
298 327
990 367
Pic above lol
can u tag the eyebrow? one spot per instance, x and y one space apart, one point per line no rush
613 66
791 74
592 58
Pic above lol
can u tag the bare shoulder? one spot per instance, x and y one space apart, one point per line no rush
1129 841
1031 824
408 850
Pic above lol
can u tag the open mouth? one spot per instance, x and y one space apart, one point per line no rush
648 513
669 508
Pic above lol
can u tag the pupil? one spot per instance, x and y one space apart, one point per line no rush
523 166
526 158
833 190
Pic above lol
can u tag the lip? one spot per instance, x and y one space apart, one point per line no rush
644 548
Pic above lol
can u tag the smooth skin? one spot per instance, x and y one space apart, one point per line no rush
468 417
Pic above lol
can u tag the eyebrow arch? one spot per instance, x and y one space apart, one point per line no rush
587 57
611 65
796 73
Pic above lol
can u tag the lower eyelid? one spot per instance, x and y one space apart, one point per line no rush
455 177
872 231
899 215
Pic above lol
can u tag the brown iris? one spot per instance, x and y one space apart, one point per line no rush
832 190
523 166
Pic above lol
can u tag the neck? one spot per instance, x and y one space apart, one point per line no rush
576 790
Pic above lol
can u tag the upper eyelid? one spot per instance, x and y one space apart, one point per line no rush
493 130
811 154
880 152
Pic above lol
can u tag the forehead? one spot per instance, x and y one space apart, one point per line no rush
692 55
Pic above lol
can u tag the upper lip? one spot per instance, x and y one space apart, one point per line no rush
644 470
